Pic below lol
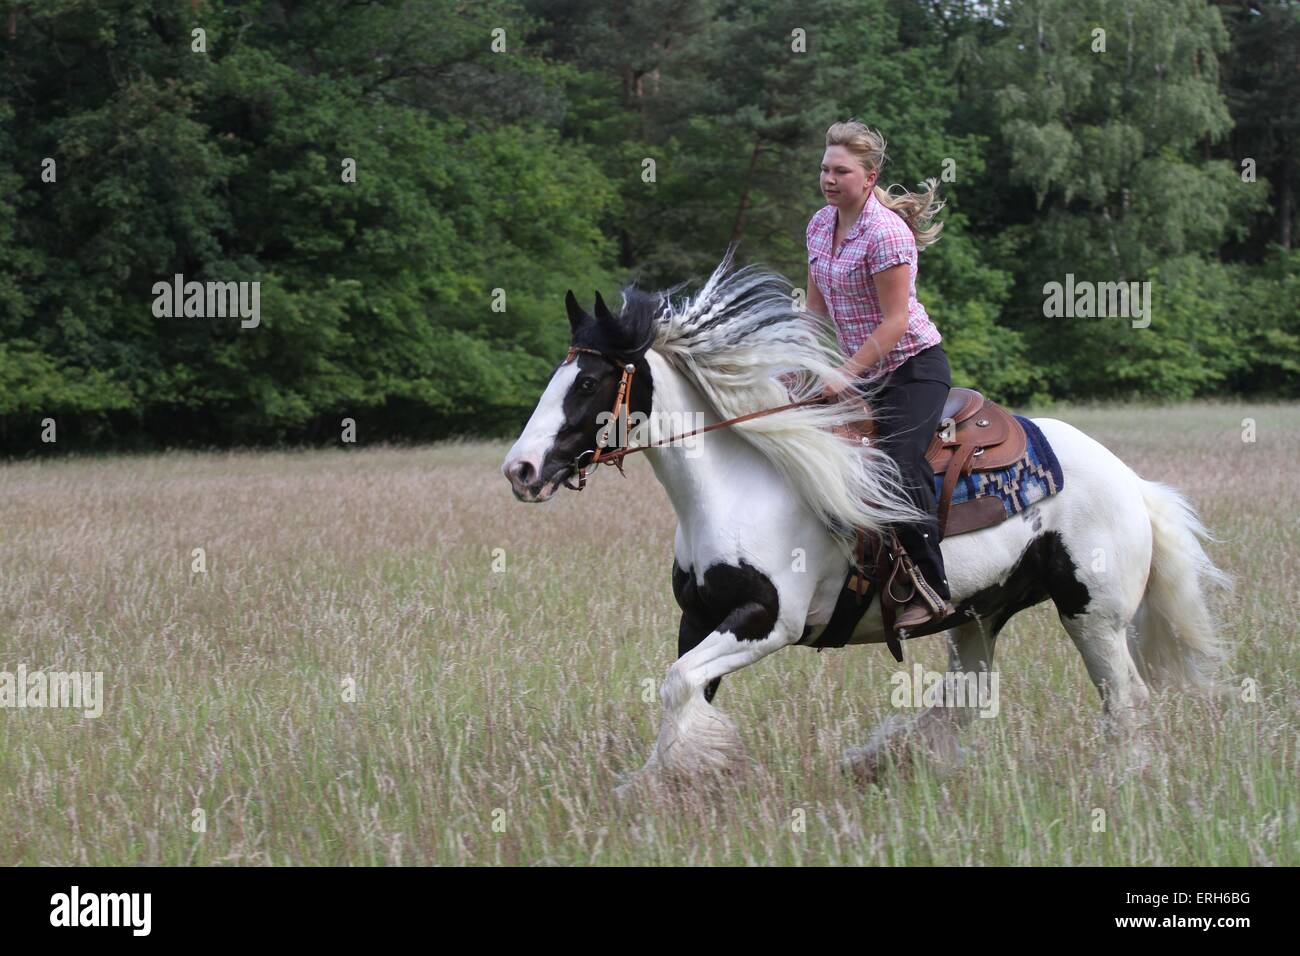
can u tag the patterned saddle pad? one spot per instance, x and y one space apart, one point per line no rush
1037 475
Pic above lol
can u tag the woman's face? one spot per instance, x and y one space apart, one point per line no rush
844 181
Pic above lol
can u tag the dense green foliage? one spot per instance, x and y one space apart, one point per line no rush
507 151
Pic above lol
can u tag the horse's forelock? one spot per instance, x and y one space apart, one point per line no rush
626 333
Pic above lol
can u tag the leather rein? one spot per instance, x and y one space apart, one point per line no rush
623 404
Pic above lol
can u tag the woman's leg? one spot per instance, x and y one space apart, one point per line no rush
909 412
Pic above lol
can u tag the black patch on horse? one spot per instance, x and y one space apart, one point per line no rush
625 336
739 599
1044 570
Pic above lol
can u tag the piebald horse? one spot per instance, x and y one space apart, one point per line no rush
766 511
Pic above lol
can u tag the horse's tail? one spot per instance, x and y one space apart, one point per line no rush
1176 641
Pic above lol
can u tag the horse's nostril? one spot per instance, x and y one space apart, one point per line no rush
523 473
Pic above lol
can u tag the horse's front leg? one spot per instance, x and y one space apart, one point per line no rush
694 736
692 630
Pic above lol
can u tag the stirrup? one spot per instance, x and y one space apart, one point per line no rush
929 615
921 594
921 588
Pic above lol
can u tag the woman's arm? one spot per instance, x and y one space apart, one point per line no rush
816 301
892 285
815 304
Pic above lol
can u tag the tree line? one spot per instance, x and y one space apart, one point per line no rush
413 185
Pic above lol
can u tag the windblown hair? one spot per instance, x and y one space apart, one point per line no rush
916 209
731 341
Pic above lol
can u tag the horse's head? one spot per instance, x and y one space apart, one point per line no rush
573 412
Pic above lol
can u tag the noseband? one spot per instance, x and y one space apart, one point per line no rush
623 403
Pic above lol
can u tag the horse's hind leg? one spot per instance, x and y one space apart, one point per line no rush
934 731
1103 642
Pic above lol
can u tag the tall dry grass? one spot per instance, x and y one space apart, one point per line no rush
495 708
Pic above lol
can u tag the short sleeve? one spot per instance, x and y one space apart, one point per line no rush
892 245
812 228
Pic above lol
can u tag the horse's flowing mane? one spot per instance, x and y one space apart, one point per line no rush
731 341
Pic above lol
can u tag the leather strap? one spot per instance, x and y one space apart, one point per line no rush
622 404
616 457
708 428
974 515
861 584
888 610
960 462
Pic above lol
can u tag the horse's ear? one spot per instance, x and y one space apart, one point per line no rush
576 316
602 313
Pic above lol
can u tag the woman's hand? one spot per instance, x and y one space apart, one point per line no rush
848 373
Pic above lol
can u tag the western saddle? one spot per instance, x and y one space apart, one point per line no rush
974 435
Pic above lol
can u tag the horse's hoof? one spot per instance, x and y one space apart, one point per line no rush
861 764
623 790
630 782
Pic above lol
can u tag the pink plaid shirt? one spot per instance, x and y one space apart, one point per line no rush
879 239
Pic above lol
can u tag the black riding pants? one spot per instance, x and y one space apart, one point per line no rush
908 410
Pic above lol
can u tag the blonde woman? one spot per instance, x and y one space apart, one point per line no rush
862 262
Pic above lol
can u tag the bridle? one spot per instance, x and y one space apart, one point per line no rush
624 398
623 403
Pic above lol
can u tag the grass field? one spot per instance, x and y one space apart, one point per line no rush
498 693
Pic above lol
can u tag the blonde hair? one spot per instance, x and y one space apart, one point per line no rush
916 209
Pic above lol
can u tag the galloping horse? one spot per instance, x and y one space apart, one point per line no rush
766 511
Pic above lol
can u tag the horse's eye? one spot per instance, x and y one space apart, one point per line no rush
587 385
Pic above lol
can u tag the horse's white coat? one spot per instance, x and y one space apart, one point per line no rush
538 436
